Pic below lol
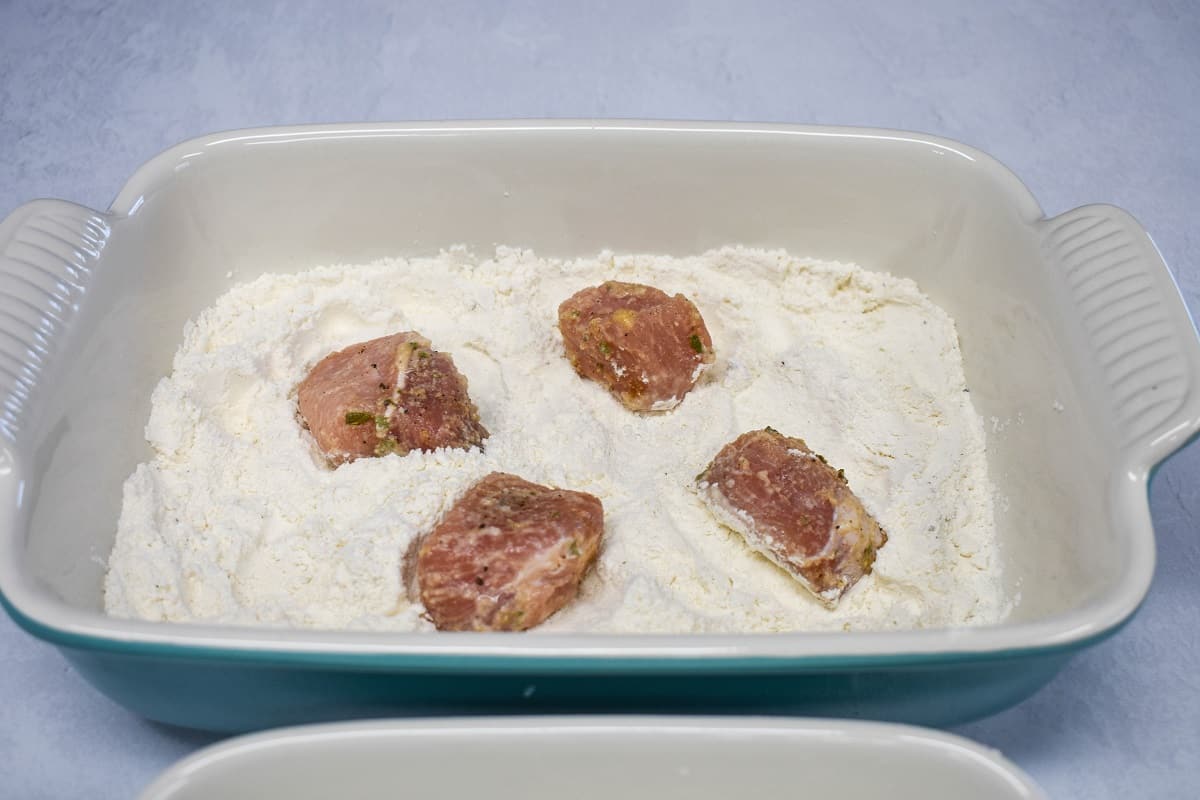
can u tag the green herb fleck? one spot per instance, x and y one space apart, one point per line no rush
606 348
413 345
842 474
359 417
423 354
573 549
867 559
386 446
696 344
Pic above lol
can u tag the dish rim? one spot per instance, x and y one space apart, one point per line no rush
947 746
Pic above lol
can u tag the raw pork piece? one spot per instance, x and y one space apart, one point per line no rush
644 346
507 555
389 395
795 509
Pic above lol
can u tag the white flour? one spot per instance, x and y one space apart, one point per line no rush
234 521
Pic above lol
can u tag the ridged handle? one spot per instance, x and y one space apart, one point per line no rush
1144 346
48 248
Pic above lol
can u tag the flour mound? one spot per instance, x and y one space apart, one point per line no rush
234 520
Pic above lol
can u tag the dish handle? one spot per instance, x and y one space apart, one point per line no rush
1145 353
48 249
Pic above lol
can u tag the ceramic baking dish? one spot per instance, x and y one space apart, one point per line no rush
1077 348
596 758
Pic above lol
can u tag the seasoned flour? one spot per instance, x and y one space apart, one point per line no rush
235 521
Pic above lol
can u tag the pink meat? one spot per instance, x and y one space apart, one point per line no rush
794 508
508 555
389 395
644 346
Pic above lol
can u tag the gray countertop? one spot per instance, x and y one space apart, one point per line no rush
1085 101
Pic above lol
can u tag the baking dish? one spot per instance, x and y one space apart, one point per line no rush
1076 343
596 758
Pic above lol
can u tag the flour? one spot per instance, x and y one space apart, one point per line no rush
235 521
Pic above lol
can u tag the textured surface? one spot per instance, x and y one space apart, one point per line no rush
42 270
1086 101
1125 322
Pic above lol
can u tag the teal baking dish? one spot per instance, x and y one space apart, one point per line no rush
1071 328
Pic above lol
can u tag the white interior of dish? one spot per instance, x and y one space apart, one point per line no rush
954 221
596 760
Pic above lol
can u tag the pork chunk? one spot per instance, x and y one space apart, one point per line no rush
795 509
644 346
508 555
389 395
